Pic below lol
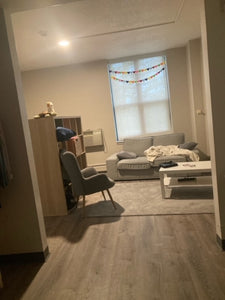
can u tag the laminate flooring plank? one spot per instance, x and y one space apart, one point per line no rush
55 269
176 281
148 260
86 263
124 260
203 228
209 251
138 257
188 243
97 273
195 250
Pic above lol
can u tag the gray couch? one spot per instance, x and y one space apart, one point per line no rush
140 167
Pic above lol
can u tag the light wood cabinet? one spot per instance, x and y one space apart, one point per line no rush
46 156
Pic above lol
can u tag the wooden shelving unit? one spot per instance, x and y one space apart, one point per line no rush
75 146
46 156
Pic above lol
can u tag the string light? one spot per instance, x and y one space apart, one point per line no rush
140 80
137 71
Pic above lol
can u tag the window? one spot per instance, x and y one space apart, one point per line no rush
140 97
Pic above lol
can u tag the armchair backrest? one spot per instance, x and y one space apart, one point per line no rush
71 166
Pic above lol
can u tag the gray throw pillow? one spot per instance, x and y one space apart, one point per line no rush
189 145
126 155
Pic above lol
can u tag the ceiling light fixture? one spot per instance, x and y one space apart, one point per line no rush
64 43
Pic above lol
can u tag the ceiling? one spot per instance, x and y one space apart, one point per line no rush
102 29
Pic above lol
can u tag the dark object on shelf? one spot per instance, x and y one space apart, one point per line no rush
64 134
169 164
186 179
74 144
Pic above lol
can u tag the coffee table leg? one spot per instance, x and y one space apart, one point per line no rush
163 191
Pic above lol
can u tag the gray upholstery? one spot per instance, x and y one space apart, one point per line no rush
140 167
138 163
126 155
87 172
137 145
87 181
168 139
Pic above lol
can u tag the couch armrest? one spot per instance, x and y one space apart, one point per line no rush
111 166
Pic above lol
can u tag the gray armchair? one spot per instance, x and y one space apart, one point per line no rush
87 181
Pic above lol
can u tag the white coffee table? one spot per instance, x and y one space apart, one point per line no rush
198 173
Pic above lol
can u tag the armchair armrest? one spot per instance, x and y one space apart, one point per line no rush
97 183
89 171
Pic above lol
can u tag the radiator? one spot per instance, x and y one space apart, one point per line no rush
93 138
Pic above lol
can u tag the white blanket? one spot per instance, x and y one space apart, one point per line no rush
156 151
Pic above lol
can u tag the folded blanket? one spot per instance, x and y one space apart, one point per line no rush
155 151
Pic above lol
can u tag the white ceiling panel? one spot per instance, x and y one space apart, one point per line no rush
102 29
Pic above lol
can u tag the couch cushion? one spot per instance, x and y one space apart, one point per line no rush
168 139
161 159
137 145
138 163
126 155
189 145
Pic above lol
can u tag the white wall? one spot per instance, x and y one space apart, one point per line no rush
83 90
179 91
213 40
79 90
198 111
22 225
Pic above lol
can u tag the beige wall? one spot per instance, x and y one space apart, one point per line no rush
79 90
84 90
213 40
198 111
179 91
21 219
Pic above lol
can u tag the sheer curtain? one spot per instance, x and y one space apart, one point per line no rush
140 97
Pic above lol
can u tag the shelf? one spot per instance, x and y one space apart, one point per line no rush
47 161
73 123
76 146
202 181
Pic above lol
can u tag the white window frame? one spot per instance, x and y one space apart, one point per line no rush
139 103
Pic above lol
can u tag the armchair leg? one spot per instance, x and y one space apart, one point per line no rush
103 194
84 214
1 282
110 196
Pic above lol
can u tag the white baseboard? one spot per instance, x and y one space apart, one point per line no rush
99 167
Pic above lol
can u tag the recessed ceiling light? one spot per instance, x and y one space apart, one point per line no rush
64 43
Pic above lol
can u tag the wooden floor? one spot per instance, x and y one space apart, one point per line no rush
141 258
